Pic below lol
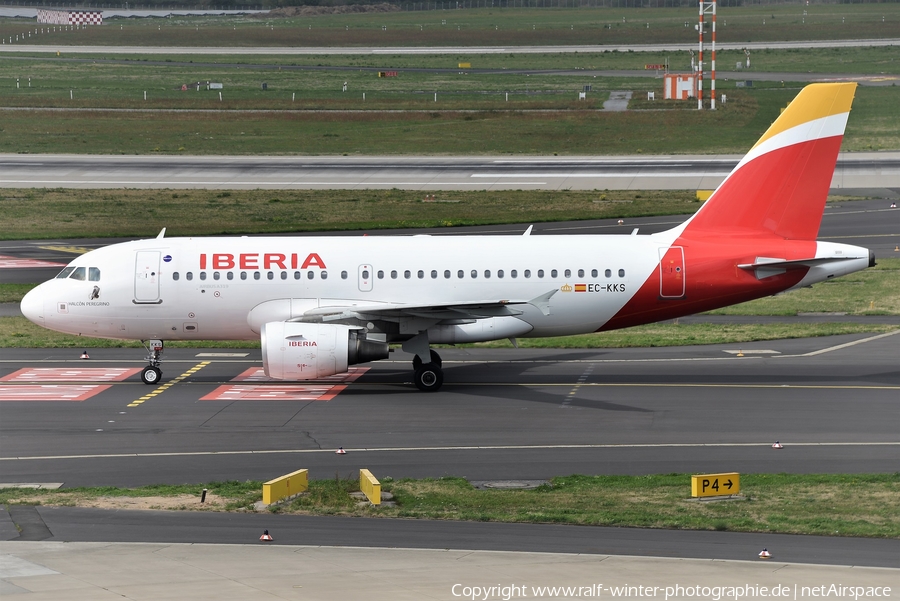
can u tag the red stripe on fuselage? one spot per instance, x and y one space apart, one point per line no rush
713 279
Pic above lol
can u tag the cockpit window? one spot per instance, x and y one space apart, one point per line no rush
94 274
65 273
78 274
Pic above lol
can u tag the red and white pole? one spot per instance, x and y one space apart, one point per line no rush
712 81
700 63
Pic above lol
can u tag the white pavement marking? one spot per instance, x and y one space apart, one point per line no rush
460 448
849 344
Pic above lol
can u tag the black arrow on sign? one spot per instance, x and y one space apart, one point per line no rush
728 484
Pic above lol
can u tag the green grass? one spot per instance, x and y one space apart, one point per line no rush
110 213
442 128
865 505
487 27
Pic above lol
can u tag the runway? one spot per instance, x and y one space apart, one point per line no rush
867 170
382 50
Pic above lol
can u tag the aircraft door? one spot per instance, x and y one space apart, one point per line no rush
671 272
365 278
146 277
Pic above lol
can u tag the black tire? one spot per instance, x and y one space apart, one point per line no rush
435 358
151 375
429 377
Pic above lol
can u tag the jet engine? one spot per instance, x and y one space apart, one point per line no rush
307 351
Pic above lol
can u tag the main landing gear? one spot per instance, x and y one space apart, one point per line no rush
429 377
152 374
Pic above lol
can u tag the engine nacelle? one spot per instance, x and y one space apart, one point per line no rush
308 351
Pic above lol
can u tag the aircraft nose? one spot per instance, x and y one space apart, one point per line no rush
33 306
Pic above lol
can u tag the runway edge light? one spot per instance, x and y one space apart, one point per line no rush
777 445
266 536
84 354
764 554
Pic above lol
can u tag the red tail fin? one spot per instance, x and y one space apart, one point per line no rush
780 187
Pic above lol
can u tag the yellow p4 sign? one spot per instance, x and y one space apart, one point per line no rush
715 485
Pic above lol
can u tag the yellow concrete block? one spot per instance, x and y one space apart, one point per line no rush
703 195
285 487
371 486
715 485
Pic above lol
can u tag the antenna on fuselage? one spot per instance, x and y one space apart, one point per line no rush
528 231
162 234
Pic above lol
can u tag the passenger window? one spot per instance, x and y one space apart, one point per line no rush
407 274
581 273
324 275
608 273
487 273
594 273
243 275
540 273
460 274
447 274
229 275
343 275
394 274
365 274
189 275
513 274
499 273
256 275
296 275
65 273
474 274
78 274
553 273
433 274
270 275
527 273
175 276
202 275
380 275
621 273
284 275
93 274
568 273
420 274
310 275
215 275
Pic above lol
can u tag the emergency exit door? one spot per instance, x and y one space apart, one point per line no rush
671 272
146 276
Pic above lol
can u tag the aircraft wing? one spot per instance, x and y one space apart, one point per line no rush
443 312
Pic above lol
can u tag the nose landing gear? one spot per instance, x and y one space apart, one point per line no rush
152 373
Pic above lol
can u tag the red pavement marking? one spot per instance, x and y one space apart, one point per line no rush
71 374
323 389
14 263
51 392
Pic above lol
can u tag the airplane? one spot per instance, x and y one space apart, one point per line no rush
321 304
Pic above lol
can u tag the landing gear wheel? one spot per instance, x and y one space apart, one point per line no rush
435 358
429 377
151 375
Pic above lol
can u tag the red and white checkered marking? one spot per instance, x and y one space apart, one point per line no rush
258 374
324 389
16 263
71 374
51 392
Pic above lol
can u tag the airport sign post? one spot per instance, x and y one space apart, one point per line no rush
715 485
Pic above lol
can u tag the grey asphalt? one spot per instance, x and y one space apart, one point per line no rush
866 170
387 50
514 413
